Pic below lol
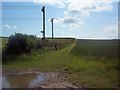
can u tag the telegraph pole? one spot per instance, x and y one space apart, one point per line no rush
43 10
52 26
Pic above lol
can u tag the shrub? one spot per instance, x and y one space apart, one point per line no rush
20 43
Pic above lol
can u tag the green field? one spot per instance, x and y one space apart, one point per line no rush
4 41
88 63
100 48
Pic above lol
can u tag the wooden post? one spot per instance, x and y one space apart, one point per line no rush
43 10
52 27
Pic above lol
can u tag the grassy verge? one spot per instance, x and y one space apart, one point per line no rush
89 71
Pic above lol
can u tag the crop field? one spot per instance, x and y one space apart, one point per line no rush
100 48
88 63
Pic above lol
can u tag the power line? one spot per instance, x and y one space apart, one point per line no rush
22 19
16 7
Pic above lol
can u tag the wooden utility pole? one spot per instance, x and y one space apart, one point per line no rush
43 10
52 26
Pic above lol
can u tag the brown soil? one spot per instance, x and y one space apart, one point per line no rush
52 80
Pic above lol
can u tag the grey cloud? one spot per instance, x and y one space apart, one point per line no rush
70 20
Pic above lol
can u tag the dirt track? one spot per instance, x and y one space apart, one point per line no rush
51 80
54 80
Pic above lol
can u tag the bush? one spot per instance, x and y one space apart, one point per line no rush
20 43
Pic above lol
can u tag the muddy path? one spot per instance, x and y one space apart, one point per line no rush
50 79
54 80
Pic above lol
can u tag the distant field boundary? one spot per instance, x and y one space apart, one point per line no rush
98 39
4 37
75 38
48 38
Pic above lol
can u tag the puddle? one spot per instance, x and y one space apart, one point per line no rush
22 81
34 80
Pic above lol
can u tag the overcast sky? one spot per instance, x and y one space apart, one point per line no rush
96 19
